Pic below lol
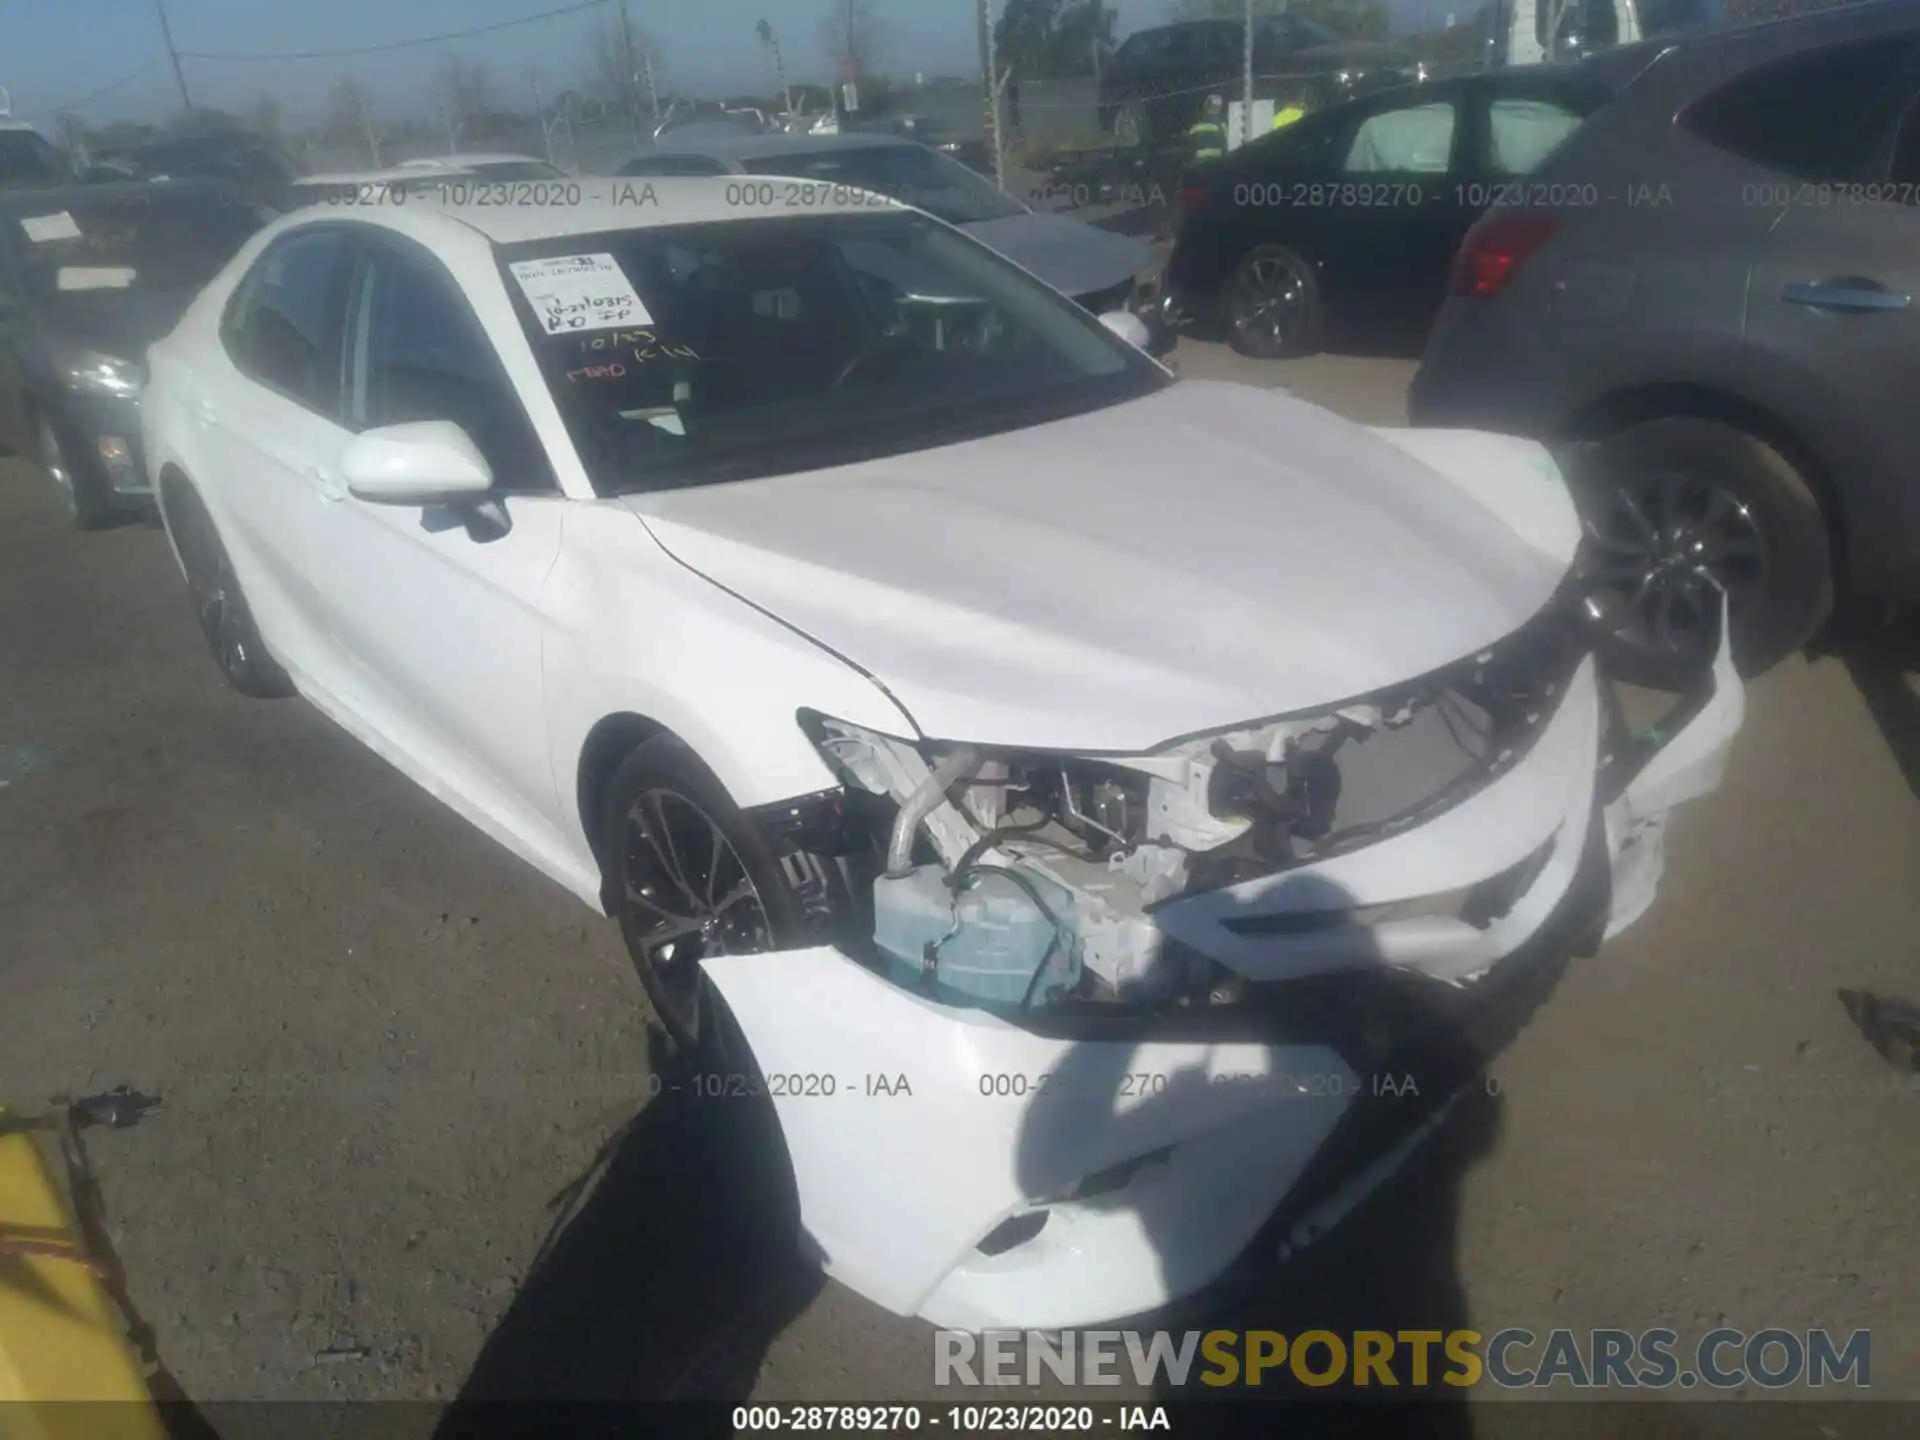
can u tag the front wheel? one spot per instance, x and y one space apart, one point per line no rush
1680 510
689 877
1273 305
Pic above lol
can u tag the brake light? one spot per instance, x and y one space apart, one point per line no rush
1192 197
1499 243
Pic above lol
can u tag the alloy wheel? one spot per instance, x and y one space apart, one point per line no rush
1662 547
1130 127
689 897
1276 299
216 601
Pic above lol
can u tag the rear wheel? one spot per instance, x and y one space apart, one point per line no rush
1273 306
218 603
1681 509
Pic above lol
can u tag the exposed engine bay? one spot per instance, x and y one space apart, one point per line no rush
1032 879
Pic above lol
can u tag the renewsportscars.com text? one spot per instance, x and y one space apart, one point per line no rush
1513 1358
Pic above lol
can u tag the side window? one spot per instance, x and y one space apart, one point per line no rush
1522 131
418 352
1807 116
1416 140
283 330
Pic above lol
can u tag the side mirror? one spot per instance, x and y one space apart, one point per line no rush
1129 327
429 462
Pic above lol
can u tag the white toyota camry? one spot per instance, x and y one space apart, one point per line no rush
1109 816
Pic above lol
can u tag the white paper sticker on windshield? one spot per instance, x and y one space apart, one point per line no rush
95 277
41 228
580 292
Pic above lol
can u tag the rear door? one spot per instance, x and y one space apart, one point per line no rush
1833 301
15 323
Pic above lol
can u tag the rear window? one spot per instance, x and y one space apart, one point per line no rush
26 158
1809 115
1526 124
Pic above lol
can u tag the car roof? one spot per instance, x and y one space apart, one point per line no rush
373 177
758 147
42 199
605 205
456 162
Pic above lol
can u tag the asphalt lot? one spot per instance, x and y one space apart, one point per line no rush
385 1046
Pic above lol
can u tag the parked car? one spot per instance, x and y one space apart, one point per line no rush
1721 320
1157 82
489 168
88 277
912 725
389 185
260 171
28 159
1095 267
1347 221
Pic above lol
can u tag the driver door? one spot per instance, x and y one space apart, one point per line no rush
442 627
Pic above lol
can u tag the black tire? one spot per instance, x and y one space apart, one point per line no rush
1668 503
1272 305
218 603
663 789
77 486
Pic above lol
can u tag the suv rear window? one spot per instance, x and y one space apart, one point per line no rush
1807 115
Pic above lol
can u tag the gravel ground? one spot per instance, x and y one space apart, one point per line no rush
386 1046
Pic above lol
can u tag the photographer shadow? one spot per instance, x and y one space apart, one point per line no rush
670 1269
1365 1238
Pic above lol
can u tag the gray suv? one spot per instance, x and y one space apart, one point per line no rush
1709 300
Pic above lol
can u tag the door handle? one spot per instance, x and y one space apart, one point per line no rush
1851 297
331 486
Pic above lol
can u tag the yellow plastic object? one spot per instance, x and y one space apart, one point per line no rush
61 1339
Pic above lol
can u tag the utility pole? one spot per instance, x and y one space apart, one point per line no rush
627 72
1246 98
991 100
653 94
539 115
179 75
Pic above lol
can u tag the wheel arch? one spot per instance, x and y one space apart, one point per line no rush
1673 400
611 739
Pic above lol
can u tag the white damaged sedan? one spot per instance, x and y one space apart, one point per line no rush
1109 817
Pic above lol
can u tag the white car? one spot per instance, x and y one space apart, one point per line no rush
1081 787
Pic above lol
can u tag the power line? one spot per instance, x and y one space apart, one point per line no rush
106 90
574 9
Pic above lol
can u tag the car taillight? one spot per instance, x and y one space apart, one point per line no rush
1499 243
1192 197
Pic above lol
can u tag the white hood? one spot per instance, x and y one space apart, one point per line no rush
1207 556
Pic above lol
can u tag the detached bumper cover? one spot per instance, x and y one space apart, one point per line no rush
1137 1159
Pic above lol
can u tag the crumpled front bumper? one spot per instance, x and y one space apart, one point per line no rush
980 1173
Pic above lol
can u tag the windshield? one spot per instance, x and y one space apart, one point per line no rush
911 174
689 355
26 158
139 243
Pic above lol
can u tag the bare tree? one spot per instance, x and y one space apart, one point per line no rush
771 43
854 32
464 92
263 117
350 116
623 68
